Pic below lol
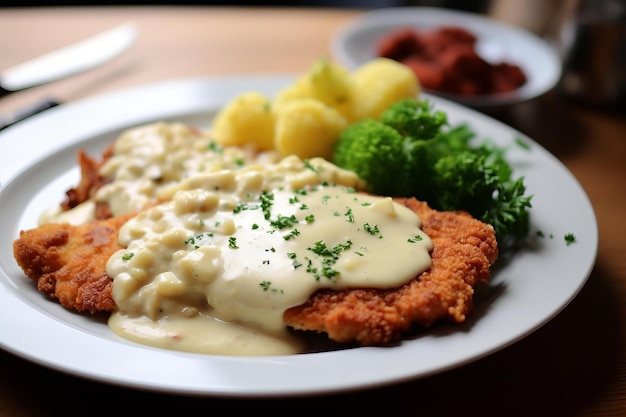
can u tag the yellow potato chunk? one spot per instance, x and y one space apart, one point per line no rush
326 81
246 120
308 128
299 90
378 84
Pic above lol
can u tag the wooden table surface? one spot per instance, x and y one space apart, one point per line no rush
575 365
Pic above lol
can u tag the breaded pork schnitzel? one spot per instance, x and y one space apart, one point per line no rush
463 251
69 264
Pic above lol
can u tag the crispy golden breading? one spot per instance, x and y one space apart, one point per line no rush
463 251
69 262
90 182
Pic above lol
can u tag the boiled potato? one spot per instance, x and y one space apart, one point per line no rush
378 84
307 128
331 84
300 89
326 81
246 120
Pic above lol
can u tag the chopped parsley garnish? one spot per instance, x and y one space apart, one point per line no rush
522 144
293 233
349 215
213 146
267 199
283 222
328 257
195 240
372 230
307 164
241 207
267 286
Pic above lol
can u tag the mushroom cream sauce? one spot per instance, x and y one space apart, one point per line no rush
238 240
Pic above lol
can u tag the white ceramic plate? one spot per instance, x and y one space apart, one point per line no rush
355 44
37 165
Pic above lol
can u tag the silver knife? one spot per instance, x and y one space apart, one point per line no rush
70 60
62 63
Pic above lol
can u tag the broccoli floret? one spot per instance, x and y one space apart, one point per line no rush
413 151
376 153
414 118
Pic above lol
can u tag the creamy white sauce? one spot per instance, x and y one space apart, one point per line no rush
149 158
243 246
204 333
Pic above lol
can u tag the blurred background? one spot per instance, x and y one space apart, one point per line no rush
590 35
535 15
538 16
366 4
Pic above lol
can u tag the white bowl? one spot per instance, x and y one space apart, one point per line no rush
356 44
